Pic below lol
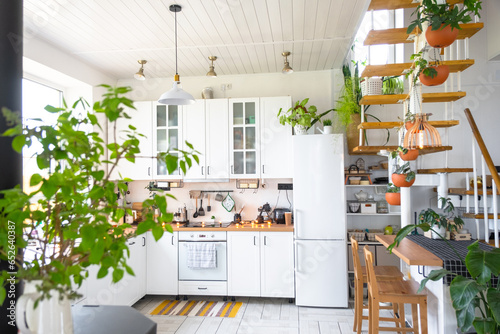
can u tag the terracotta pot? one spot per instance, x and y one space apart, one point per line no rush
352 132
399 180
409 156
442 74
441 37
409 125
393 198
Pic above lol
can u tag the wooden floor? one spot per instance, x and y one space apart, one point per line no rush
259 316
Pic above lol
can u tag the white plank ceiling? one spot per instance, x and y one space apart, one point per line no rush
247 36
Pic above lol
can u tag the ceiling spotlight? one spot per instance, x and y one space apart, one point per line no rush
286 69
140 74
176 95
211 73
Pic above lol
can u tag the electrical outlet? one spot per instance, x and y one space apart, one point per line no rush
285 186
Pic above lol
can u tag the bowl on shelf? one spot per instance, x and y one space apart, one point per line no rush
354 207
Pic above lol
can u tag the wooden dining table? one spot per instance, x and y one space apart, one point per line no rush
410 252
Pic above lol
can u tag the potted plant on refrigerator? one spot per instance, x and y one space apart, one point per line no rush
327 126
301 117
444 20
403 176
73 214
393 195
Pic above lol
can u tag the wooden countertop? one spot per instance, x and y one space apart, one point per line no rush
241 228
410 252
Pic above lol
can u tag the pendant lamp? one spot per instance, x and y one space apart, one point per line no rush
176 95
140 74
286 69
422 135
211 73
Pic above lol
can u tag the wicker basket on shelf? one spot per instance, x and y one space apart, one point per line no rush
370 235
359 236
371 86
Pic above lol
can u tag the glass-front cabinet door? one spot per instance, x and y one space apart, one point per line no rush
244 143
167 134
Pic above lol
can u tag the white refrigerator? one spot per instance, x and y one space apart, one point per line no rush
320 221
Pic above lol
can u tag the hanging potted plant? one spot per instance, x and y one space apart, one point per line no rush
393 195
405 154
300 117
409 120
429 75
444 20
403 176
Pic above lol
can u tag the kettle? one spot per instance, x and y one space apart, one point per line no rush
361 196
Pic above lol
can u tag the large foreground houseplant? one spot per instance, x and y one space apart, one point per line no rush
73 214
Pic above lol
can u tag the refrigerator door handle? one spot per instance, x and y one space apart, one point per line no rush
295 223
297 267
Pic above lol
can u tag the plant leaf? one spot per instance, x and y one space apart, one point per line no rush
463 291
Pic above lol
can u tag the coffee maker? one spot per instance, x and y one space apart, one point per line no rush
265 209
279 215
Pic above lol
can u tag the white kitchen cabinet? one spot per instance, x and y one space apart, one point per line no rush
162 264
385 258
142 119
276 264
206 127
244 137
137 261
243 277
167 135
275 139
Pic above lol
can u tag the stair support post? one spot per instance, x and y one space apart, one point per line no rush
405 206
442 188
485 201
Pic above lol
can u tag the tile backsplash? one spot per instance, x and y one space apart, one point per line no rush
251 199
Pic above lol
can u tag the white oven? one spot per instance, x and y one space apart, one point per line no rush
201 280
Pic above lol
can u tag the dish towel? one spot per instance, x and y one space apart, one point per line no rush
201 255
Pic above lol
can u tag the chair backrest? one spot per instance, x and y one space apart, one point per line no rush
372 279
358 273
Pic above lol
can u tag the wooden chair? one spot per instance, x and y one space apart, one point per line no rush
395 292
386 273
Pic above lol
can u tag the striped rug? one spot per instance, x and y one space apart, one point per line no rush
198 308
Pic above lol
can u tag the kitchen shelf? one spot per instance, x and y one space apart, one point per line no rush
373 150
401 68
399 35
396 4
399 98
392 125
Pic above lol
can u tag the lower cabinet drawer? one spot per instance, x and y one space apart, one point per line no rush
203 288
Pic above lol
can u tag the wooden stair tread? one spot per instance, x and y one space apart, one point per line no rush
463 191
444 170
399 98
478 216
373 150
392 125
399 35
400 68
396 4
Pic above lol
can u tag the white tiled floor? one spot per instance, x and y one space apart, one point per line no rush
260 316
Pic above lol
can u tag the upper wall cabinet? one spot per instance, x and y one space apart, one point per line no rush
167 135
141 118
205 126
244 152
275 139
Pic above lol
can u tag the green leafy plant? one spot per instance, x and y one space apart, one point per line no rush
327 122
405 169
299 114
475 299
401 149
443 14
420 65
392 85
72 215
391 188
431 217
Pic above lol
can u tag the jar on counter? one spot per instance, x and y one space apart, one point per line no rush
382 207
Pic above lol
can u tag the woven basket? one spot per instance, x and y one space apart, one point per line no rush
359 236
372 233
371 86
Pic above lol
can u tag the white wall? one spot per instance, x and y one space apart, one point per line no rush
492 10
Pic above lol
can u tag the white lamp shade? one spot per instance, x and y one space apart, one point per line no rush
176 96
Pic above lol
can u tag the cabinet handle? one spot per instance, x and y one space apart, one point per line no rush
172 240
149 171
131 243
254 241
265 240
143 241
263 169
232 169
208 170
202 288
201 170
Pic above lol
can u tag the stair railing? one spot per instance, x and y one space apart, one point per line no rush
485 161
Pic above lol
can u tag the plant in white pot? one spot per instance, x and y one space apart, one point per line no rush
440 223
327 127
72 215
300 117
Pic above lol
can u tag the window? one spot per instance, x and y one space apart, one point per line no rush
35 97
